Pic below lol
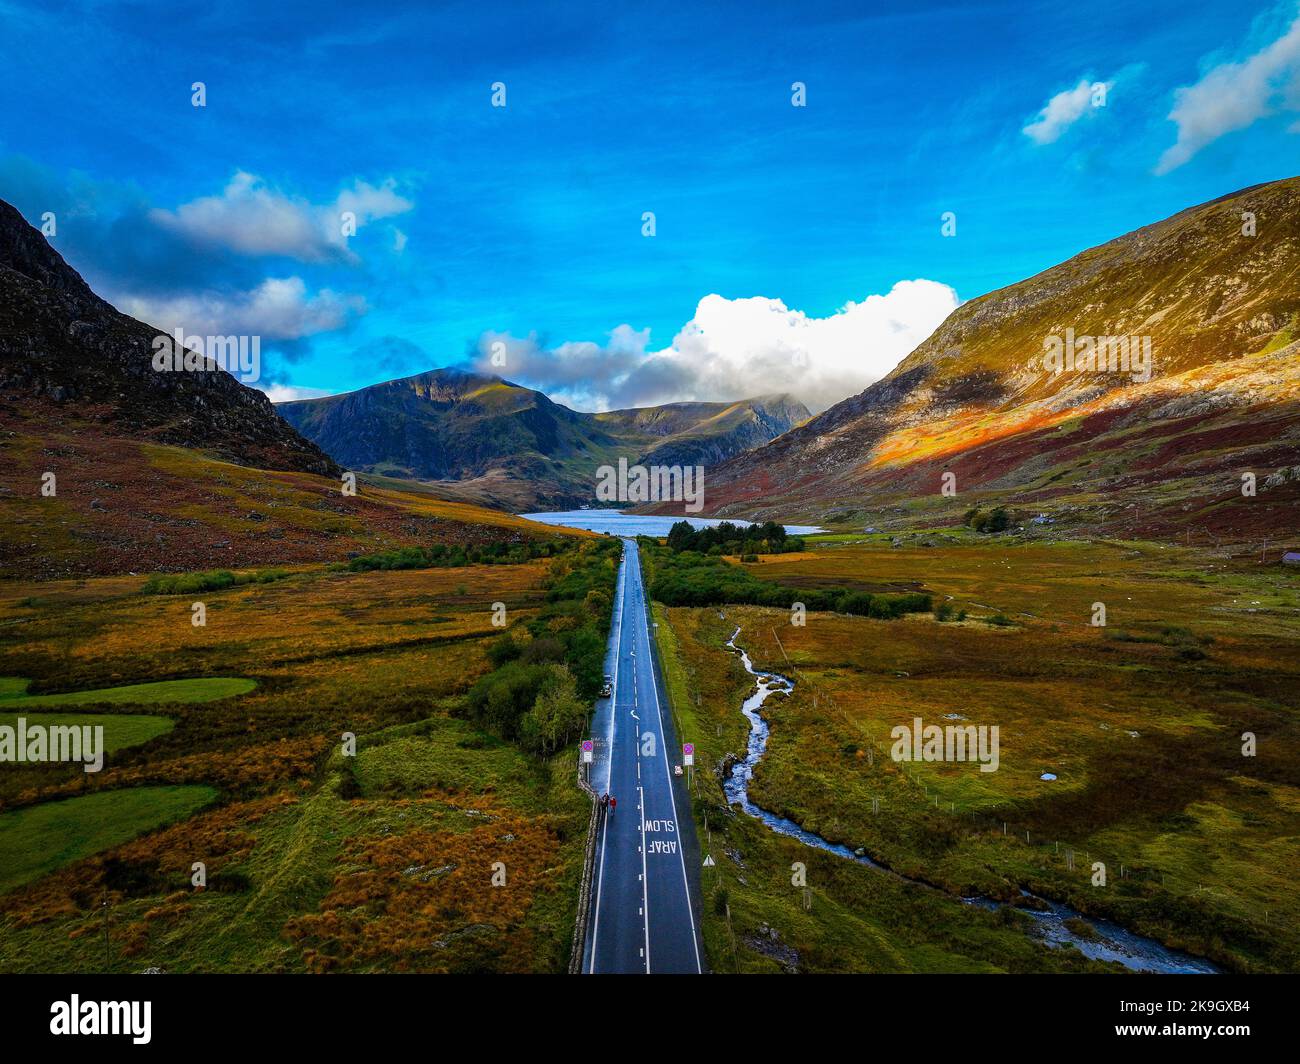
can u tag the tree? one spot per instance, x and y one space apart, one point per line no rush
598 603
558 715
680 536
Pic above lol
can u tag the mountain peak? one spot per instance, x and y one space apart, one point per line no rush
24 249
486 438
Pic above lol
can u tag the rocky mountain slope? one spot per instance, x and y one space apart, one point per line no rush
61 344
1213 290
484 438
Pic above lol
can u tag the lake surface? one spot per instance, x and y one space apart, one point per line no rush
621 523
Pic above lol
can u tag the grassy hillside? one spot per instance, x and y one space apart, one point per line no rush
124 504
1098 448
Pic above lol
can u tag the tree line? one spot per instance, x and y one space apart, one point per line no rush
451 556
729 538
688 579
546 673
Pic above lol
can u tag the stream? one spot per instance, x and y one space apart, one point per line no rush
1112 942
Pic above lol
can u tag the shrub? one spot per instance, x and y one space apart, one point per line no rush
997 520
213 580
543 651
689 579
729 538
442 556
558 715
503 649
539 693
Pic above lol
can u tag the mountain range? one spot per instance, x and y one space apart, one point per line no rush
176 470
482 438
109 466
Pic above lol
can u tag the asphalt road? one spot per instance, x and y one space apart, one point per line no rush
643 913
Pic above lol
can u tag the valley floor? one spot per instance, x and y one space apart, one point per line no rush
1140 722
314 861
384 861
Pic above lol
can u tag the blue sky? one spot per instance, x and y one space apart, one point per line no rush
523 224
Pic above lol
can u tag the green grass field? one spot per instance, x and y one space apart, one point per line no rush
13 693
120 729
40 838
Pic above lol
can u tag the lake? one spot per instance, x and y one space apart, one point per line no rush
621 523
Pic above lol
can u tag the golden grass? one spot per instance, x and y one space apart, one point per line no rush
1194 823
385 655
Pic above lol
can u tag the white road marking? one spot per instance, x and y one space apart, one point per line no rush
609 763
645 894
673 798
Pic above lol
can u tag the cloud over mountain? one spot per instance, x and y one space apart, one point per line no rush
1064 109
280 308
732 348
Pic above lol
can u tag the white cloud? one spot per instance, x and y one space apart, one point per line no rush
369 202
287 393
277 309
1232 96
1063 110
733 349
252 218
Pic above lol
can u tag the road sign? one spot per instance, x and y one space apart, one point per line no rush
587 747
708 861
688 754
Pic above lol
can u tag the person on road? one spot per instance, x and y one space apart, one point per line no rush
612 803
604 801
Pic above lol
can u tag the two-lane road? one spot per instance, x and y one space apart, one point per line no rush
643 914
